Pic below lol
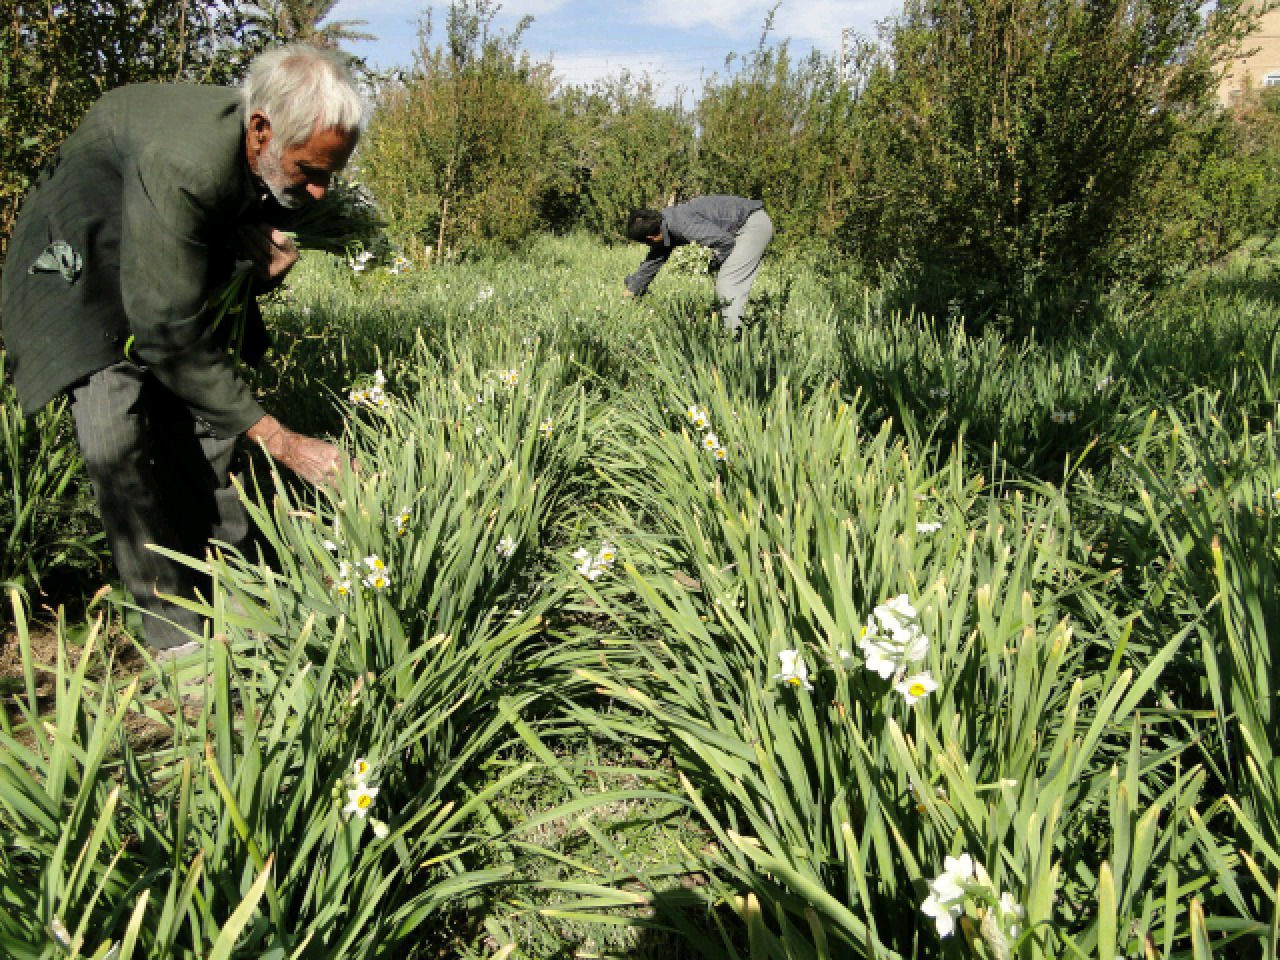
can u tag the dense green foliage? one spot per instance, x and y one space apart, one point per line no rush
1009 138
56 59
987 151
629 152
461 154
1086 528
990 153
603 608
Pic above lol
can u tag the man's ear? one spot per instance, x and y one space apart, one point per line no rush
259 129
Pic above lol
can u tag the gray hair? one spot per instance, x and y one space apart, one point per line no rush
302 89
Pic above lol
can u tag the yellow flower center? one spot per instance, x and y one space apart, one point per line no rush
794 681
916 690
364 801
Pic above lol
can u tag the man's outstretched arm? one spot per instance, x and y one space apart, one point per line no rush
639 281
316 461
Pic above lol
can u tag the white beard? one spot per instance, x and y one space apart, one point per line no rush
272 174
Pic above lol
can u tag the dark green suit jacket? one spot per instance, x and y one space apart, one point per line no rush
147 192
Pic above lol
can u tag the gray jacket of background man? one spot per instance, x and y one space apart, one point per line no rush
126 234
712 221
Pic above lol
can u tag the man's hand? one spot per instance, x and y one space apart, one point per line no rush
628 294
273 253
315 461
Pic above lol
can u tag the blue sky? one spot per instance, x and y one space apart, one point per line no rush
675 41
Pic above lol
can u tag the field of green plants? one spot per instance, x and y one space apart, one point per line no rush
866 635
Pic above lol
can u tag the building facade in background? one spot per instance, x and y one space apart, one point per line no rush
1259 67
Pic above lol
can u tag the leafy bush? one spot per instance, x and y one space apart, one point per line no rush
1003 143
628 151
464 151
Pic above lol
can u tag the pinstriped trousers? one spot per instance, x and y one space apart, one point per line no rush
161 477
733 283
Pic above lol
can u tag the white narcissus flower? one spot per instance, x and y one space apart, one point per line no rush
331 546
377 581
710 442
608 553
917 686
945 902
913 645
342 586
1011 915
928 527
546 427
879 655
402 521
377 578
360 769
378 378
944 912
721 454
360 799
698 417
894 613
961 868
794 673
380 830
506 547
358 396
588 565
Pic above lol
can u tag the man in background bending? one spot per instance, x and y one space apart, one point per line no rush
737 231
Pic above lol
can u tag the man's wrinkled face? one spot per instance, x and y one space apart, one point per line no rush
300 174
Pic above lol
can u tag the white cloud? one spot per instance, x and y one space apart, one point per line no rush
515 9
809 22
375 9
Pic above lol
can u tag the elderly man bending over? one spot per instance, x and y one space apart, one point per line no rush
136 220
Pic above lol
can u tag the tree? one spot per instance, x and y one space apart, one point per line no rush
777 130
298 21
464 151
999 141
629 151
57 58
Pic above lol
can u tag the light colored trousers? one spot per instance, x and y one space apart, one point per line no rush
160 477
733 284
